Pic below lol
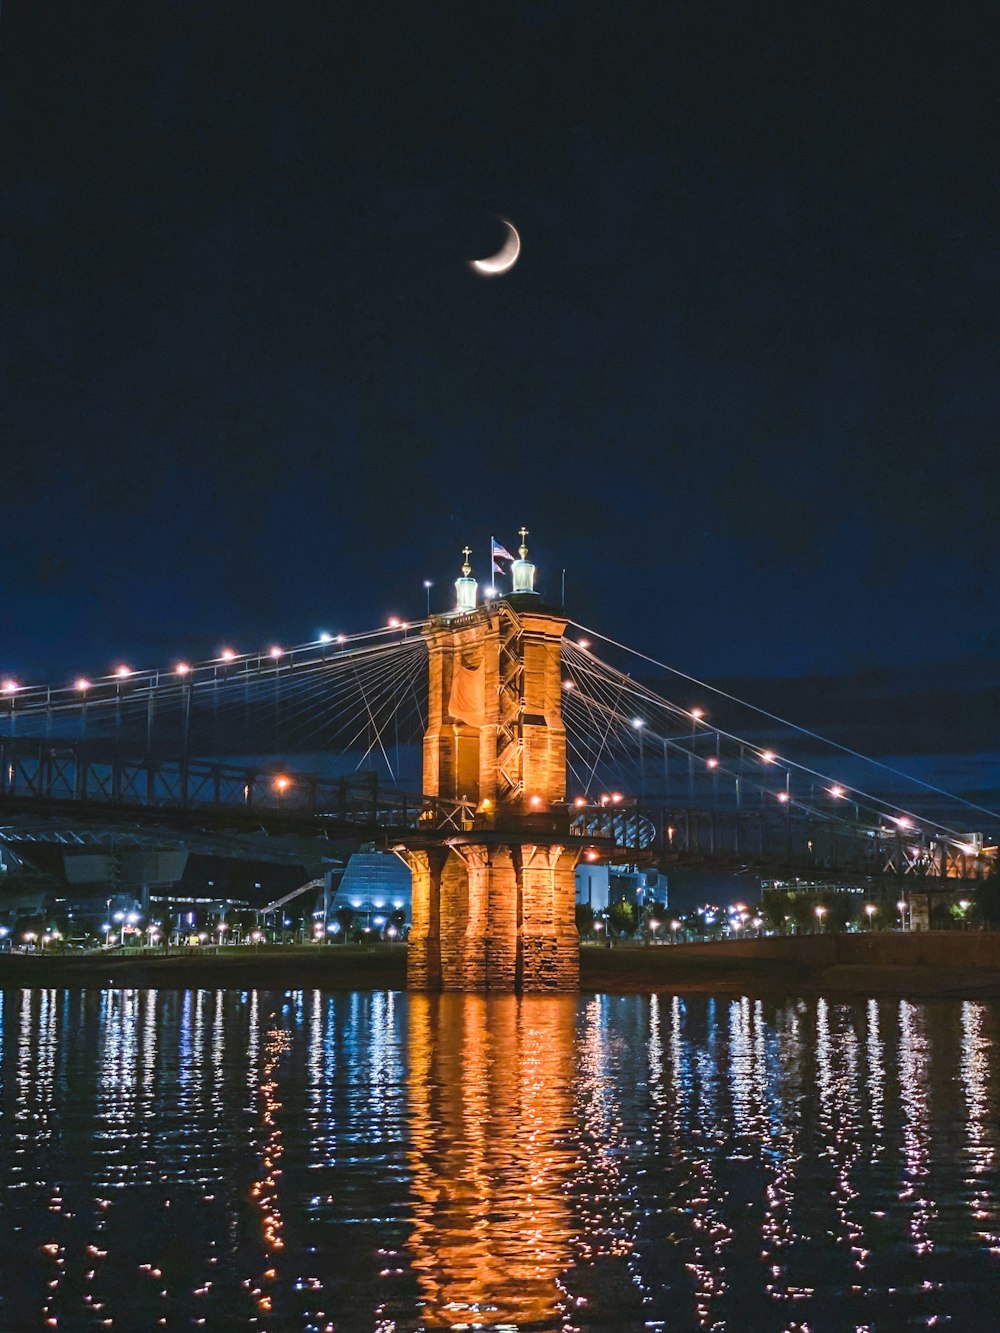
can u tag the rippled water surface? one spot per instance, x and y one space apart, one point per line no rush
268 1160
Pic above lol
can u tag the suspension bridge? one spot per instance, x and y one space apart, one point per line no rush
402 736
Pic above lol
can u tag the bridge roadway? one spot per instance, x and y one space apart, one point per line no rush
77 785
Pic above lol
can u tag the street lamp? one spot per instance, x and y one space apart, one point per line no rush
901 909
820 914
428 584
871 909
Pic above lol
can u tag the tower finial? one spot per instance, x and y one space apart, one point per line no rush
522 571
466 586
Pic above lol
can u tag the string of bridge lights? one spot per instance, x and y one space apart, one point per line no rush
774 717
600 704
603 690
12 688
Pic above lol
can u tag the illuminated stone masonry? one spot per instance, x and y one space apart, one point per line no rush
493 900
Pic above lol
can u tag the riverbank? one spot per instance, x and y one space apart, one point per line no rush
939 963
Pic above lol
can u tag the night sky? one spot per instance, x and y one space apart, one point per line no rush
743 383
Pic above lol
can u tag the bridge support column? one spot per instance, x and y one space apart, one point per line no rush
490 944
423 958
548 942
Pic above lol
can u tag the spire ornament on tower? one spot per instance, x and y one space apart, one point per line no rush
466 586
522 571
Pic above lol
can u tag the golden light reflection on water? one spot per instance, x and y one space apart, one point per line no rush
301 1161
490 1099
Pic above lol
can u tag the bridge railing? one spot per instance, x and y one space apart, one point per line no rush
45 774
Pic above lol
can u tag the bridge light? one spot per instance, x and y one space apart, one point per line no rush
712 763
276 652
325 637
490 591
536 801
605 800
228 655
591 855
697 713
638 723
767 756
901 821
837 792
616 798
569 685
182 668
393 622
580 801
282 782
123 671
10 686
82 684
783 797
428 583
341 638
583 643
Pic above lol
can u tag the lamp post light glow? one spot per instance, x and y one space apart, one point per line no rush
870 909
428 584
820 914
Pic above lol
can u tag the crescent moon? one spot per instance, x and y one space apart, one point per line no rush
504 259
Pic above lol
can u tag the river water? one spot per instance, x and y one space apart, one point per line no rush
375 1161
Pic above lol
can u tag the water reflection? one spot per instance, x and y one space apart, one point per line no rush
490 1099
273 1161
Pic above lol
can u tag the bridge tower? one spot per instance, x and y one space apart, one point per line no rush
494 896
